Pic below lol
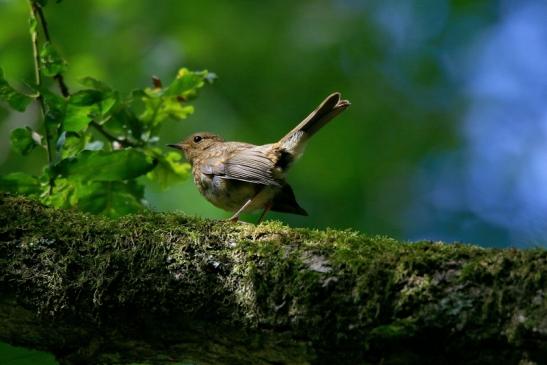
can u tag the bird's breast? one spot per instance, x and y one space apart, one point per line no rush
231 194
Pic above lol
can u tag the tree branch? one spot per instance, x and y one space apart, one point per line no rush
112 138
163 288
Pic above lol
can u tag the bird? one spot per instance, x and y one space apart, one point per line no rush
242 177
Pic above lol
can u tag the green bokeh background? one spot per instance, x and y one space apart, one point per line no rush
276 61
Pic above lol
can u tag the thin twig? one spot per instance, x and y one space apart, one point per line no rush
106 134
37 10
59 77
38 78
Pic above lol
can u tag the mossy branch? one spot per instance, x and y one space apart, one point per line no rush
167 288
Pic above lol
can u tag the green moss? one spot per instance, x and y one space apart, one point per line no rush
157 281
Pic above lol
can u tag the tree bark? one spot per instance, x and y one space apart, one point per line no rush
167 288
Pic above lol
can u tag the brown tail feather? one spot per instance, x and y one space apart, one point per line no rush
285 202
324 113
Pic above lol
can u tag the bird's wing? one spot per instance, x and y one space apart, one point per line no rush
248 164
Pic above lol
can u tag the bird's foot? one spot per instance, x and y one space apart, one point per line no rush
233 219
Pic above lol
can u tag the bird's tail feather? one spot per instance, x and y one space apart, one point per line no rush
294 141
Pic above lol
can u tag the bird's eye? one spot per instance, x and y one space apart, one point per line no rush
197 139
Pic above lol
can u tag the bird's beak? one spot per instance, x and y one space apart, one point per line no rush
175 146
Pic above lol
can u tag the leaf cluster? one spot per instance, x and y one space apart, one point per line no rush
101 143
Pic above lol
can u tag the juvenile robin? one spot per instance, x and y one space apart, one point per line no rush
242 177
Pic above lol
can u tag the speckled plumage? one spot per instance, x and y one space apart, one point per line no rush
241 177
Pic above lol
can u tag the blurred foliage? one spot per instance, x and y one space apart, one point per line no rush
276 61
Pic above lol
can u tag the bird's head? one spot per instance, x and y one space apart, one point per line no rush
195 144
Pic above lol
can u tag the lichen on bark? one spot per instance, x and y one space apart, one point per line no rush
168 288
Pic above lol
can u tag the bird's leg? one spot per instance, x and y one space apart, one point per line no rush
236 215
266 210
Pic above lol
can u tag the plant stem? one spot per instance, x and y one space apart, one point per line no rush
59 77
38 78
112 138
64 88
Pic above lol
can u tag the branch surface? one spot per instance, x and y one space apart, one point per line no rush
167 288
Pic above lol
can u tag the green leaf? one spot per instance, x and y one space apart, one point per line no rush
187 83
111 198
63 194
95 84
15 99
174 109
52 100
169 170
170 102
56 108
24 140
51 62
77 117
86 97
70 144
122 120
86 105
158 108
20 183
106 165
